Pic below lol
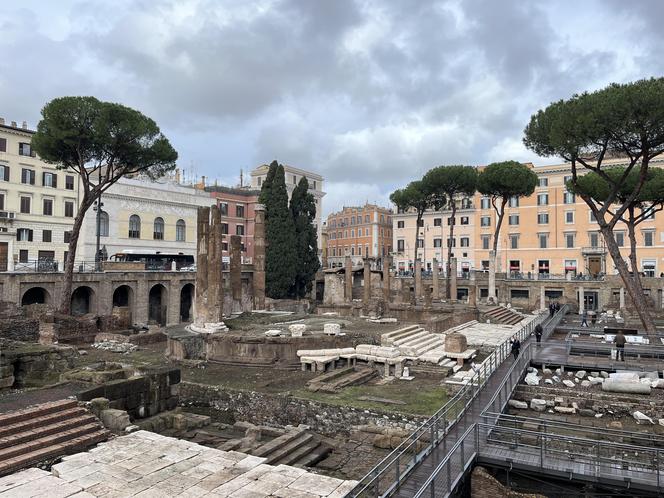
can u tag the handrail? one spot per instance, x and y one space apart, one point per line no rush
555 321
406 456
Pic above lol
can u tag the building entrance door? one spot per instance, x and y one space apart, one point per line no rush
595 265
4 251
590 301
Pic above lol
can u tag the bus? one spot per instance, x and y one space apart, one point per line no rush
156 260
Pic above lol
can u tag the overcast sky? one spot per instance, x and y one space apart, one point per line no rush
370 94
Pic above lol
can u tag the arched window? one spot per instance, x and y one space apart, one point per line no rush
158 229
134 227
103 224
180 231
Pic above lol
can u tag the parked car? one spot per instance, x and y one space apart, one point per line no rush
188 268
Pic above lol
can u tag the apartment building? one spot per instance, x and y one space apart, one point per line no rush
554 232
358 232
433 237
292 177
38 203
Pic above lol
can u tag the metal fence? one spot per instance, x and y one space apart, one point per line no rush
36 265
386 477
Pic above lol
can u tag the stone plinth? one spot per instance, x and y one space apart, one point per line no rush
297 329
332 329
455 343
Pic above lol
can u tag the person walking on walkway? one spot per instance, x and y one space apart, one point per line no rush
516 347
620 340
552 309
584 318
556 306
538 333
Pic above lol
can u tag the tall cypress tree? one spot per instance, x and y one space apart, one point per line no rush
280 251
303 211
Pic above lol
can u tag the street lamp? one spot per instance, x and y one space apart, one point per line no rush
97 207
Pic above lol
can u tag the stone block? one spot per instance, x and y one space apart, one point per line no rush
98 405
297 329
455 343
642 418
539 405
566 410
586 412
580 374
568 383
332 329
521 405
273 333
116 420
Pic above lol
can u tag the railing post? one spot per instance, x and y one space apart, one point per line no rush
398 477
599 458
657 465
376 484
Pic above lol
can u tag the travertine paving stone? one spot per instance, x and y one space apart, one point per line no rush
147 465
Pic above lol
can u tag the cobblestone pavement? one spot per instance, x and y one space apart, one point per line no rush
146 465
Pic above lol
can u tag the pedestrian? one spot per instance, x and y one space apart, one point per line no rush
538 333
557 306
516 346
584 318
620 340
552 309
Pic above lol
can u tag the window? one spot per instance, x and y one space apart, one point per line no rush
24 149
543 218
400 245
593 238
2 201
464 220
485 221
294 179
543 240
3 145
47 207
514 202
69 209
158 231
134 227
542 199
69 182
47 235
648 238
224 246
239 211
484 203
224 228
514 241
382 218
28 176
49 180
569 198
352 250
260 180
486 241
466 203
519 293
314 184
239 229
23 256
437 242
569 240
103 224
543 266
25 205
592 217
567 179
352 233
465 242
181 231
570 266
66 237
437 222
451 242
352 220
514 219
420 243
649 267
420 223
223 208
24 235
543 182
620 239
650 213
366 232
485 266
4 173
569 217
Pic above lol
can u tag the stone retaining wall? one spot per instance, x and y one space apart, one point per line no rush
282 409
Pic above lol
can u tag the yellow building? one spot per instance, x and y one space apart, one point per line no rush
38 203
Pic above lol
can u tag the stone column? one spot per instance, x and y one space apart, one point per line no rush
236 267
622 298
492 278
215 270
472 295
387 263
202 235
542 298
418 279
349 279
436 276
581 300
141 302
173 299
367 281
453 279
259 257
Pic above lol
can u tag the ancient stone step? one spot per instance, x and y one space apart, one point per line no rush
75 445
388 338
313 457
275 456
276 443
358 377
36 411
49 418
46 430
300 453
420 334
48 440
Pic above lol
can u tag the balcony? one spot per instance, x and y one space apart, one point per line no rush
7 215
593 250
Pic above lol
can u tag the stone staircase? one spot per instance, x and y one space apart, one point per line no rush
501 314
44 432
299 448
336 380
413 341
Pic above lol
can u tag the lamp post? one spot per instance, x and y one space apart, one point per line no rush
97 207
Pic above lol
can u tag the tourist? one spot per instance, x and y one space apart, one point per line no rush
538 333
552 309
620 341
584 318
557 306
516 346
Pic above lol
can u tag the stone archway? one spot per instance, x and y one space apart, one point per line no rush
82 301
187 303
158 305
35 295
123 305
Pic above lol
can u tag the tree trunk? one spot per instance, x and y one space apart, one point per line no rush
448 267
632 285
493 256
631 230
68 277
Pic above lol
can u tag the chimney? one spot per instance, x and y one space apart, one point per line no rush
14 124
203 181
25 125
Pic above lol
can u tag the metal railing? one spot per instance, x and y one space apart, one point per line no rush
386 477
517 275
555 320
